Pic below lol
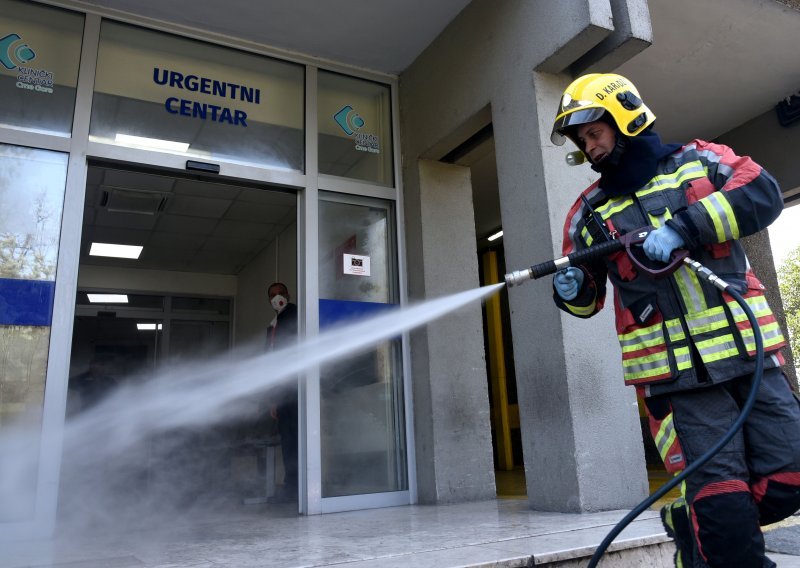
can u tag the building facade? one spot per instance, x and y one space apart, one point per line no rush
230 162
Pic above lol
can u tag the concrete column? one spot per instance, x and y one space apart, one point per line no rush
759 251
451 402
580 428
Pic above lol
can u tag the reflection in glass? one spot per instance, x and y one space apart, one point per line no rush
40 50
355 129
31 198
223 103
32 186
355 230
23 366
362 419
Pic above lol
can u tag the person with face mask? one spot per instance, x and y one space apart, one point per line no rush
283 331
687 349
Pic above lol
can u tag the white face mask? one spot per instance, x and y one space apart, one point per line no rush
278 303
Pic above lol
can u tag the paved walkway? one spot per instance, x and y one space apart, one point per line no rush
491 533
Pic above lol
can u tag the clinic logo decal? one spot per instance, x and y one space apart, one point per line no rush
14 54
351 123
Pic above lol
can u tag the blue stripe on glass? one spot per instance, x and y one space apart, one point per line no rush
26 302
332 312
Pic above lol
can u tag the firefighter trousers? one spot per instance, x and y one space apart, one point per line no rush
753 481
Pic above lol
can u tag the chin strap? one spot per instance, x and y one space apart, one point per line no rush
613 158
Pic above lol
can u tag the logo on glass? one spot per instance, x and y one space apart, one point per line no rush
348 120
14 52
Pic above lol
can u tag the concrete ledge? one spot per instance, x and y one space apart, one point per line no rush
632 34
656 550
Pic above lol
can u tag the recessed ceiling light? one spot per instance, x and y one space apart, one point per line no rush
148 326
154 143
108 298
115 251
497 235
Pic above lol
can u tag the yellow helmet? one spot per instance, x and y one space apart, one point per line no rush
588 97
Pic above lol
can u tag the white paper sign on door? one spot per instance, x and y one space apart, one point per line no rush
356 264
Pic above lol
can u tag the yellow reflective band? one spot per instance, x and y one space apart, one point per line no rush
587 238
717 348
757 304
683 358
665 436
640 361
722 216
614 206
653 342
637 333
690 289
715 219
722 209
771 334
664 447
651 372
730 216
687 172
707 320
581 310
675 330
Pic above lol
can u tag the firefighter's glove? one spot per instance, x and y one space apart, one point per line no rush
660 243
568 282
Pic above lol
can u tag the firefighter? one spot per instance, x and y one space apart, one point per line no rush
687 348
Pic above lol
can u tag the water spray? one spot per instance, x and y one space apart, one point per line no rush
184 397
631 244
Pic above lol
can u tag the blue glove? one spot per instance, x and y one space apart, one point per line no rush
660 243
568 282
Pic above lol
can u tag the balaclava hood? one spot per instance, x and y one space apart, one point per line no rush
632 163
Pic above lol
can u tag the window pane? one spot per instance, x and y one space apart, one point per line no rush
362 417
219 103
40 50
31 196
348 232
355 129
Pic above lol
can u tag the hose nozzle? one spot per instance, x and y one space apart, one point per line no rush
518 277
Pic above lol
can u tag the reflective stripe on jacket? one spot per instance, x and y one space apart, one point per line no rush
667 328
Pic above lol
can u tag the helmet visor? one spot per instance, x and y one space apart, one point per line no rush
573 119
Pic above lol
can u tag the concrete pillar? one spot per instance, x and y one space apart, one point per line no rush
759 251
581 436
451 402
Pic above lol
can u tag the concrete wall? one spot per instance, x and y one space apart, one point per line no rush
580 428
454 444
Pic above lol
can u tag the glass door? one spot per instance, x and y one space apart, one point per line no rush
362 423
120 340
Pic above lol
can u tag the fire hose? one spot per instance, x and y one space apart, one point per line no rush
631 244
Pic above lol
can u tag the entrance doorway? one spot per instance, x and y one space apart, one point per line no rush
478 153
196 295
